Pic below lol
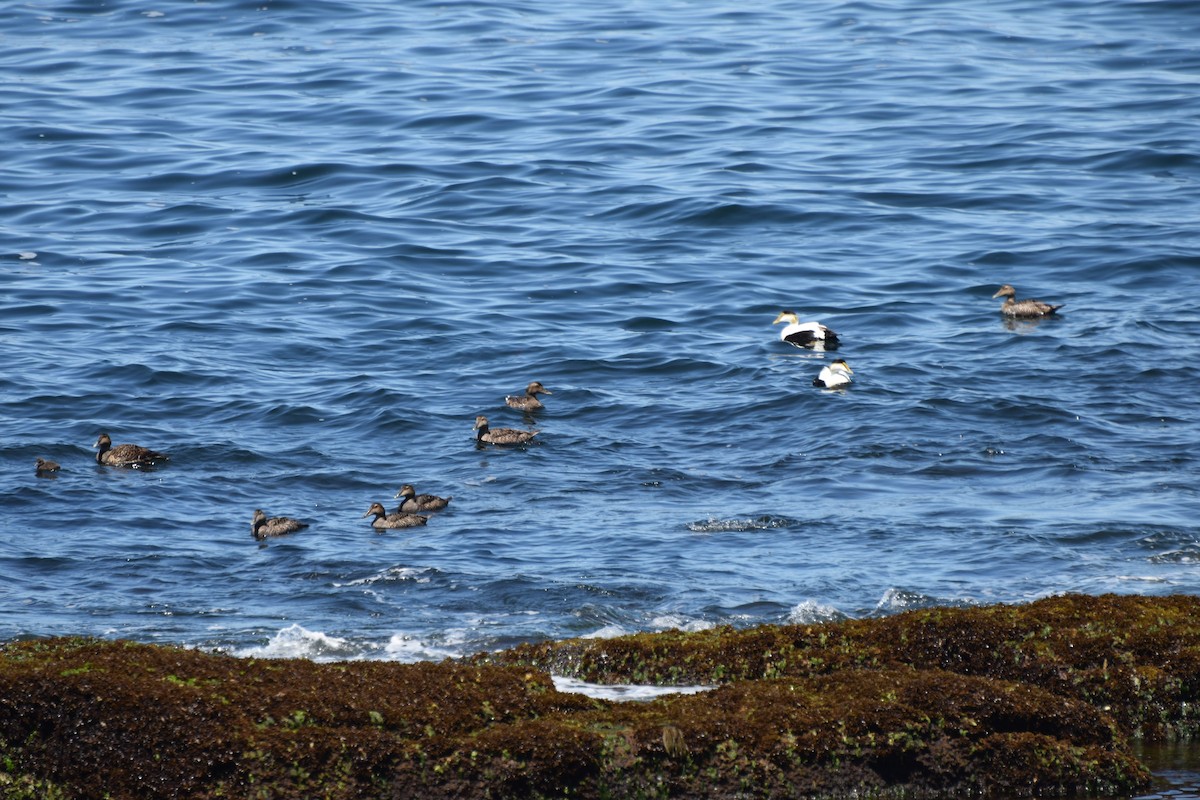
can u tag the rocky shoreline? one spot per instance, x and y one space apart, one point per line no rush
1042 699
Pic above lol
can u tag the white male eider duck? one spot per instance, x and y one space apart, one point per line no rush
263 526
836 374
500 435
420 502
804 334
528 401
398 520
1012 307
125 455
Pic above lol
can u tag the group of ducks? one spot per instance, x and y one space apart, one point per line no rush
837 373
414 508
412 511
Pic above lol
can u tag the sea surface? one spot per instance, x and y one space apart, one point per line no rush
300 245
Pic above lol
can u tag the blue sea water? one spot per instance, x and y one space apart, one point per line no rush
299 246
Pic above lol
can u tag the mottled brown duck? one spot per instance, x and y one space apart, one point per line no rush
397 520
1012 307
529 400
125 455
263 526
43 467
500 435
420 502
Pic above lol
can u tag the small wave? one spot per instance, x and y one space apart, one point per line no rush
765 522
810 612
896 600
296 641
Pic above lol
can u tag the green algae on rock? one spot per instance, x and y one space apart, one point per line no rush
1004 700
1137 658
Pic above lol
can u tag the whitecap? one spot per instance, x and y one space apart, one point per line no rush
810 612
764 522
296 641
410 649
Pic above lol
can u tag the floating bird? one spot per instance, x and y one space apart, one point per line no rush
500 435
528 401
398 520
263 526
43 467
804 334
836 374
125 455
1012 307
420 502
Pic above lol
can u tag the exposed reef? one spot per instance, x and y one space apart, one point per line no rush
1041 699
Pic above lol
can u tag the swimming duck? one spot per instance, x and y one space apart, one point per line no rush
1012 307
125 455
835 374
500 435
420 502
43 467
385 520
804 334
263 526
528 401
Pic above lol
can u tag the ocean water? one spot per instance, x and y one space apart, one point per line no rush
299 246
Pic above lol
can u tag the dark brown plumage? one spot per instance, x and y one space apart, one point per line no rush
398 520
1012 307
125 455
420 502
528 401
500 435
263 526
43 467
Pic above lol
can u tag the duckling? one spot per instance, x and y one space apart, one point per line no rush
500 435
1012 307
836 374
419 502
125 455
263 526
528 401
804 334
398 520
45 468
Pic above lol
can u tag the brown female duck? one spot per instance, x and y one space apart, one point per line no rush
125 455
263 526
398 520
42 467
1012 307
486 435
528 401
420 502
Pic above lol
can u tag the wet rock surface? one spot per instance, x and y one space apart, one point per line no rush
1040 699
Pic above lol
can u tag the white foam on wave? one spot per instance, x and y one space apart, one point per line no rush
679 622
296 641
716 525
414 574
810 612
621 691
409 649
607 632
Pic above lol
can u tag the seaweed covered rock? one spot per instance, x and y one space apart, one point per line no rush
1136 657
1002 700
